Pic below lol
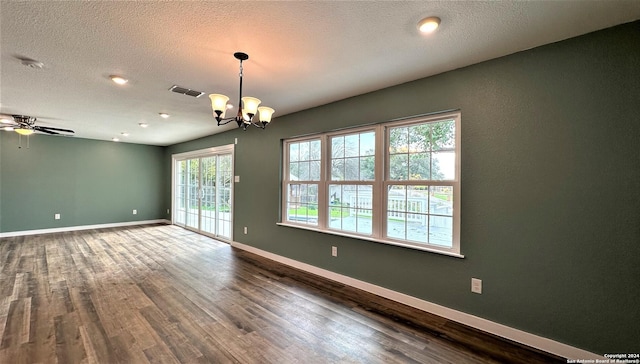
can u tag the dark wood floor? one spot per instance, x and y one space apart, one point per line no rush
161 294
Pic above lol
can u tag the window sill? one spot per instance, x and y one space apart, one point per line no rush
388 242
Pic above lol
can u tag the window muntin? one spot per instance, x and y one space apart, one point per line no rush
302 203
304 160
424 151
353 157
421 214
351 208
396 182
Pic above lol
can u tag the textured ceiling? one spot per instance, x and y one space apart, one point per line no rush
302 54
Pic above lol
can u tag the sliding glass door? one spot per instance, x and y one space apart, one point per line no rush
215 205
203 192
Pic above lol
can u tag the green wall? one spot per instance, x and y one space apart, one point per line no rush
550 190
86 181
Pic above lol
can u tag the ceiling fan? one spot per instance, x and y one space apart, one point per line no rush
26 125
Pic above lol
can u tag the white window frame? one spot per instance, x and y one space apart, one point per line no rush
380 183
375 183
287 181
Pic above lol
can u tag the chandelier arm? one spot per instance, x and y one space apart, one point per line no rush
225 121
258 125
245 126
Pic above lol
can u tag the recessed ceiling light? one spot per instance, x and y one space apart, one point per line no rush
143 125
115 139
6 121
118 79
164 115
229 106
429 25
124 133
8 128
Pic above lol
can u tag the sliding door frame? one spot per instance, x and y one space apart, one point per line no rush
202 153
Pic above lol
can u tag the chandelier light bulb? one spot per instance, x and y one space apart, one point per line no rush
219 102
265 114
250 105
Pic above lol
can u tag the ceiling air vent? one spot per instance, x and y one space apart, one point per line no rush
185 91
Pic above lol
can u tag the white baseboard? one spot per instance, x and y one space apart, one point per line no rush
531 340
82 227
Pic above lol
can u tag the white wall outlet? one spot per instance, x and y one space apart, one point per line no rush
245 231
237 179
334 251
168 211
236 141
135 212
476 285
56 216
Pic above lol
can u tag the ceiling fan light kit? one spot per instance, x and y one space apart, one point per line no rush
22 131
248 106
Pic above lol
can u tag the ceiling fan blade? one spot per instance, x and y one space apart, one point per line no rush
7 121
42 128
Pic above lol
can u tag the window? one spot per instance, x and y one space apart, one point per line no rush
350 202
420 183
397 182
304 162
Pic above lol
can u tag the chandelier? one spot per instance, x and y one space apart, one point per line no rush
247 106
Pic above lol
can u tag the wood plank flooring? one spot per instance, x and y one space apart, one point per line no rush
161 294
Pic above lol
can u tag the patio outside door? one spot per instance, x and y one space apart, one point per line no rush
203 194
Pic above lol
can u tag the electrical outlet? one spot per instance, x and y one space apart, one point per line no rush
236 178
334 251
168 211
476 285
135 212
56 216
245 231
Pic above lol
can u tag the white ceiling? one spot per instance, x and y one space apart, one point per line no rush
302 54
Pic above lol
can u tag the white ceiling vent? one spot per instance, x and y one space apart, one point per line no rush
186 91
